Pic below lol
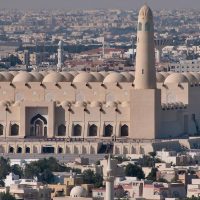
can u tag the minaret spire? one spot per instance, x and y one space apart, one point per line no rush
60 55
145 76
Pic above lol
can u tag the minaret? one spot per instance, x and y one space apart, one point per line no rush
60 55
109 182
145 76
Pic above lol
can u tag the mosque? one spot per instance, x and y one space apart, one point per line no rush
77 112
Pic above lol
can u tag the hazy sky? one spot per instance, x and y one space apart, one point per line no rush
87 4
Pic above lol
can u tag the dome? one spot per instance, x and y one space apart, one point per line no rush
23 77
145 12
110 104
84 77
95 104
74 73
44 73
160 78
191 78
104 73
54 77
69 77
196 75
78 191
65 104
3 103
37 76
8 77
80 104
14 73
125 104
132 73
176 78
129 77
114 78
99 77
1 77
165 74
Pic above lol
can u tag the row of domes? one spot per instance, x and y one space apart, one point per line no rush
84 77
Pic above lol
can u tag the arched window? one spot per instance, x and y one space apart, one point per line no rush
62 130
77 130
124 130
1 129
139 26
93 130
11 150
108 131
28 150
14 130
60 150
147 27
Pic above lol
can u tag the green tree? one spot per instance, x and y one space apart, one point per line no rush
6 196
135 171
4 167
47 177
152 174
17 170
193 198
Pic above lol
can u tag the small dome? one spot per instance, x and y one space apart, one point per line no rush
74 73
84 77
104 73
129 77
37 76
7 77
44 73
54 77
145 12
165 74
111 104
69 77
65 104
80 104
14 73
99 77
176 78
160 78
197 75
191 78
114 78
95 104
23 77
78 191
1 77
3 103
132 73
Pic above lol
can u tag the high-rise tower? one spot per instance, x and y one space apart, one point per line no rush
60 55
145 76
146 98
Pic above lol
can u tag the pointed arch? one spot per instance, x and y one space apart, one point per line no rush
77 130
38 116
108 132
61 130
14 130
124 131
93 130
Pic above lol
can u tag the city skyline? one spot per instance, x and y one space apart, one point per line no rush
90 4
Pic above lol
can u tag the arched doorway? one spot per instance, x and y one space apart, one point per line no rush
77 130
124 130
93 130
108 131
61 130
38 126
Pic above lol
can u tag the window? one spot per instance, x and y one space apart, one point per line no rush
108 130
14 130
139 26
77 130
93 130
1 129
124 130
62 130
147 27
19 150
28 150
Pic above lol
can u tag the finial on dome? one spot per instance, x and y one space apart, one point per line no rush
145 11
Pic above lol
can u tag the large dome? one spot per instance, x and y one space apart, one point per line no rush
8 77
23 77
114 77
68 77
160 78
197 75
98 76
84 77
78 191
54 77
165 74
74 73
129 77
176 78
37 76
104 73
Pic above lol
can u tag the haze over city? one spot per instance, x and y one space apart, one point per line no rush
89 4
